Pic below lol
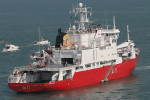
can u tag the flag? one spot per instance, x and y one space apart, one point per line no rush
90 14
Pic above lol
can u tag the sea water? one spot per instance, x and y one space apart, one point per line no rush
19 21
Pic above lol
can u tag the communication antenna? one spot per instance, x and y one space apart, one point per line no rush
114 22
128 32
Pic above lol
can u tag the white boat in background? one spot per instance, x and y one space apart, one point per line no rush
10 47
42 41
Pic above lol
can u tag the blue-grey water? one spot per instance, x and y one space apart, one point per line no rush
19 21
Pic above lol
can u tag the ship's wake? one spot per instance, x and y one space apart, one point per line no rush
21 47
28 45
142 68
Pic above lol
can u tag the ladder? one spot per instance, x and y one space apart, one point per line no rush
105 78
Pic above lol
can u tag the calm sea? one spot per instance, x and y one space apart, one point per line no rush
19 21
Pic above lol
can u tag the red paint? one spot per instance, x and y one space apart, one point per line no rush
82 78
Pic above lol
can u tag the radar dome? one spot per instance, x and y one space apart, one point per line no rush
80 4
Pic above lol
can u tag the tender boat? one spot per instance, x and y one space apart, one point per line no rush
34 55
80 57
10 47
41 55
41 40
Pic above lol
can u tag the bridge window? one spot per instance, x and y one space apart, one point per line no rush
88 65
97 63
93 64
79 67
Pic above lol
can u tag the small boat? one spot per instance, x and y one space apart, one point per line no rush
41 55
42 41
1 41
10 47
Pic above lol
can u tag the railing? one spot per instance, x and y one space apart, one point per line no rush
13 78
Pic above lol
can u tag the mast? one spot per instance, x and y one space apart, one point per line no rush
128 32
39 37
114 22
128 38
39 33
82 11
106 22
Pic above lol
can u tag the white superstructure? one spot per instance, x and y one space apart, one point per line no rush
90 44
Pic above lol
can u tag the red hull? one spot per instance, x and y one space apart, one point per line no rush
80 78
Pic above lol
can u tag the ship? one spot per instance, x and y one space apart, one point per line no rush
10 47
85 54
41 41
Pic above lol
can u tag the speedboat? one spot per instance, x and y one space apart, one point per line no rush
43 41
41 54
10 47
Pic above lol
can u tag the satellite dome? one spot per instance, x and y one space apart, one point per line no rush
80 5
